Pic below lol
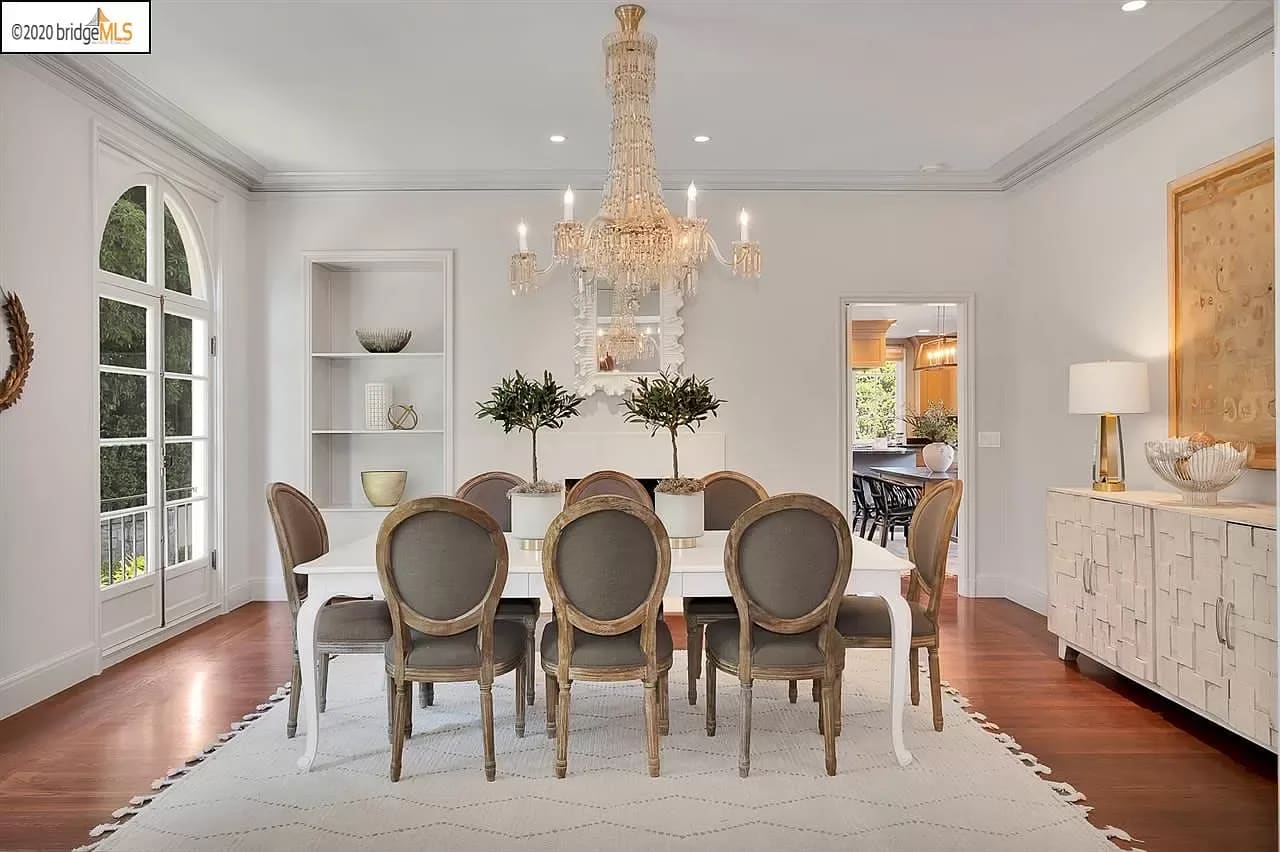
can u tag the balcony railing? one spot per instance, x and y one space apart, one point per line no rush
123 543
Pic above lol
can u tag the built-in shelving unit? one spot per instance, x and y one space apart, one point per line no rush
349 290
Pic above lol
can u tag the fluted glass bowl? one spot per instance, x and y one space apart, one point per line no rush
383 339
1198 468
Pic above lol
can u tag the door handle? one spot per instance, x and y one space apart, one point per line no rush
1085 576
1217 620
1226 625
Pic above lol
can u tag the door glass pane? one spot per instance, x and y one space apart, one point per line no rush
184 470
177 407
184 532
123 400
177 274
177 344
124 477
122 548
124 238
122 334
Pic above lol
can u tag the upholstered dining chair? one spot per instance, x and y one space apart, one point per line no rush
442 563
606 561
606 482
863 622
787 560
344 626
490 491
726 495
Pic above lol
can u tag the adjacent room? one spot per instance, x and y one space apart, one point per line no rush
549 425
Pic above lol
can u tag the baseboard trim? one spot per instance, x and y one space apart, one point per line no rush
36 683
1024 595
125 650
988 587
238 596
267 589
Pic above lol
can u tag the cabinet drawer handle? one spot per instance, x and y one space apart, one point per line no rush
1217 620
1084 577
1226 625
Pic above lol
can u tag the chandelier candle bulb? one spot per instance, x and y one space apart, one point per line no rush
691 208
744 230
568 204
523 231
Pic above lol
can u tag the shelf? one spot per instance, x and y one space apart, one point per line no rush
361 355
399 432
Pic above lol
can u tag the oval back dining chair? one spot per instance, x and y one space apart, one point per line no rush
609 482
491 492
787 560
726 495
344 626
442 563
606 561
863 622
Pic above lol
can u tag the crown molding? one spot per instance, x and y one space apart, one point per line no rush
111 85
1240 31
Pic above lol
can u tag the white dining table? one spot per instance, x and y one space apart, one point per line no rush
350 570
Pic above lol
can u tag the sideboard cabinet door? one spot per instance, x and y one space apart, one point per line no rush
1069 536
1120 581
1249 588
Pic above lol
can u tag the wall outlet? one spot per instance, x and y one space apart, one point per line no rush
988 439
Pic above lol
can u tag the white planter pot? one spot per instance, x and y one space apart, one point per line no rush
939 457
682 515
532 513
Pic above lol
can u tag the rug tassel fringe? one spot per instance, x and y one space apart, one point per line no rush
103 828
1113 833
88 847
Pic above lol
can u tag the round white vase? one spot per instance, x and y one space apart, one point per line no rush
939 457
682 515
532 513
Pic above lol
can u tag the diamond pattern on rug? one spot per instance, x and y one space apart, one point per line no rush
964 791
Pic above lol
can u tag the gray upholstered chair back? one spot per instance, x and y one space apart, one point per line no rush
442 563
726 495
301 536
929 537
489 491
606 560
605 483
787 560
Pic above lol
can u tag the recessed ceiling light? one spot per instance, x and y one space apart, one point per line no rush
556 137
930 168
922 331
940 304
701 138
1133 5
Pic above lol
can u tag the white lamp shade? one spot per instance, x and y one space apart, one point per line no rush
1109 387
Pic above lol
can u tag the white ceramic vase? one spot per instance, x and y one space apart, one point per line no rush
939 457
682 515
532 513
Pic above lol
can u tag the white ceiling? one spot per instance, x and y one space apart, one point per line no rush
868 86
909 319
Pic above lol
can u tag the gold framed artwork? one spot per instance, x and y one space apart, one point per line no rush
1222 302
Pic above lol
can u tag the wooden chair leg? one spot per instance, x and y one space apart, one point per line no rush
651 725
486 721
935 687
744 736
397 730
693 642
829 730
295 695
562 730
408 710
884 532
322 680
838 710
391 710
913 669
520 705
531 658
793 691
711 698
817 691
664 704
553 695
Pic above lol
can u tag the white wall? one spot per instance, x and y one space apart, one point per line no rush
48 446
773 345
1090 282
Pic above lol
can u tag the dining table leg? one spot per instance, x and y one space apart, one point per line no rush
900 628
308 614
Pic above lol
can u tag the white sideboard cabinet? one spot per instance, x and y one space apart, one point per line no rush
1179 598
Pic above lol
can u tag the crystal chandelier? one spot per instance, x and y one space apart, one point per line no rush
634 242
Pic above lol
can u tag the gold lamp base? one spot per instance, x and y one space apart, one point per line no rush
1108 455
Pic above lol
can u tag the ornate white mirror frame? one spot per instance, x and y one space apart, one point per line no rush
589 378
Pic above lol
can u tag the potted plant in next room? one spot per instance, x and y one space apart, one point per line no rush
937 424
670 402
529 405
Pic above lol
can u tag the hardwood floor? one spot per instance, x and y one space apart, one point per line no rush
1169 778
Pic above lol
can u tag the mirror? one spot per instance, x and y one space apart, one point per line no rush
658 328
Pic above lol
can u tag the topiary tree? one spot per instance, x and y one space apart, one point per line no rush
529 405
670 402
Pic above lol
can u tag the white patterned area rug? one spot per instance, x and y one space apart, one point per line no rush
969 788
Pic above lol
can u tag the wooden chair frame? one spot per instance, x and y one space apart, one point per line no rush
530 621
822 617
629 483
481 616
695 622
951 490
653 673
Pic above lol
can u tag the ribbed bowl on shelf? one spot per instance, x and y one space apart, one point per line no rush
1198 469
383 339
383 487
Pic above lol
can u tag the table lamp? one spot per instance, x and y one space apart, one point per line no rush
1109 389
